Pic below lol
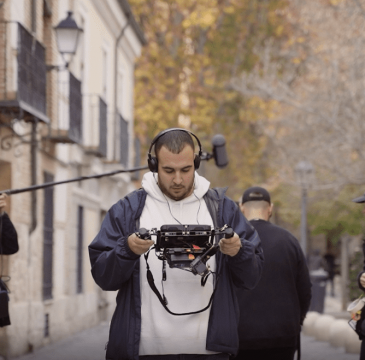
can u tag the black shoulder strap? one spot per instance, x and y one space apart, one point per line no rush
212 205
163 301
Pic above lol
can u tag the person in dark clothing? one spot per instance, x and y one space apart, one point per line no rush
8 246
8 235
173 193
315 260
329 266
361 282
271 315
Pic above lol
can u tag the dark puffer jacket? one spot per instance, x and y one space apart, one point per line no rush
116 267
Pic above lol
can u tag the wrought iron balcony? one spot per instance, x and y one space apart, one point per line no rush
96 118
22 74
68 127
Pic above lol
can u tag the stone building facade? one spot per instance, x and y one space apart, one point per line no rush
59 123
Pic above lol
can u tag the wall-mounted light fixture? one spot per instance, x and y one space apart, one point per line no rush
67 36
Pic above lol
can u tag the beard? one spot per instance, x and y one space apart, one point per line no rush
177 193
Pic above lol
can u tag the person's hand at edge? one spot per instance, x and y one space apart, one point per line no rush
230 246
3 198
362 280
139 246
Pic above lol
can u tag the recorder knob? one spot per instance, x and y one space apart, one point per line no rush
143 233
228 233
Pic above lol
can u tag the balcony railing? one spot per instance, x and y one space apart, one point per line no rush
124 141
22 73
68 127
96 119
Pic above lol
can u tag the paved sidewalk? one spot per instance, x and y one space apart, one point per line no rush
320 350
90 344
333 304
86 345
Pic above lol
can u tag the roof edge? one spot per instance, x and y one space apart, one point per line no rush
129 14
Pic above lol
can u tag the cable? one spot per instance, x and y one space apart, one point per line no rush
197 214
168 204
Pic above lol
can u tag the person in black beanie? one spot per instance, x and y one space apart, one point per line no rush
271 315
8 246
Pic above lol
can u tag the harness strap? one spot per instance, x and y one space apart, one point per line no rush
163 300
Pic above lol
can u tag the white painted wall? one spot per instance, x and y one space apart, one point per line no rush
68 311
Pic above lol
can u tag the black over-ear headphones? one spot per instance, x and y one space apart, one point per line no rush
152 160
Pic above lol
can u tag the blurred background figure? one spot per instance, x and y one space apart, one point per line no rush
315 260
8 245
329 267
273 312
8 235
360 326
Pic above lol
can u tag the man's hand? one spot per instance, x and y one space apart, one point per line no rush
230 246
139 246
2 203
362 280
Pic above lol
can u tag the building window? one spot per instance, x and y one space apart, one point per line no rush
48 239
80 237
46 325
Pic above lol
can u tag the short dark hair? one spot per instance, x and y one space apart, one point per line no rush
174 141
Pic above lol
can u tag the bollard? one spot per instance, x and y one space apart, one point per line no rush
337 332
308 324
322 327
352 342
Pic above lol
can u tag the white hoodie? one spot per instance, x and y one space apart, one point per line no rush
163 333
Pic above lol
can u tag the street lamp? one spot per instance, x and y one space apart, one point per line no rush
304 170
67 36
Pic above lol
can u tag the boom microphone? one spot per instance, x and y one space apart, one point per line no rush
219 155
219 151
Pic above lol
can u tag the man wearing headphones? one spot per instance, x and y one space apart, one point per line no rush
173 193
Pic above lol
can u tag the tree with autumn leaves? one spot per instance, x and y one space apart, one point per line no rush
319 105
182 78
281 79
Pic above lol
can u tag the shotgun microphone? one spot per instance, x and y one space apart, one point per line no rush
219 151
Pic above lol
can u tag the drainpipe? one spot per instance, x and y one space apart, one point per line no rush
33 172
116 82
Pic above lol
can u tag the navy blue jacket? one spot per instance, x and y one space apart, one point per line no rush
116 267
